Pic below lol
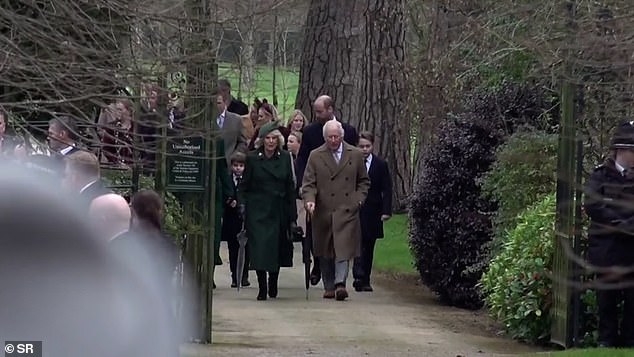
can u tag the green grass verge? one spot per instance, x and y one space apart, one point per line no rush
593 352
286 86
392 254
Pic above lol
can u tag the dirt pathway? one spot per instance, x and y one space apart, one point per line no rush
396 319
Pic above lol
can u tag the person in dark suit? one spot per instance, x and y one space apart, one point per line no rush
608 197
235 105
82 177
62 134
376 210
312 138
230 125
232 220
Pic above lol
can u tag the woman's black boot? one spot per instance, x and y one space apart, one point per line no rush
273 284
261 284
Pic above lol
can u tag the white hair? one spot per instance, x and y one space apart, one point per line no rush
334 124
280 140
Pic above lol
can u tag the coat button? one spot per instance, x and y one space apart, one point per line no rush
346 194
347 210
332 195
346 179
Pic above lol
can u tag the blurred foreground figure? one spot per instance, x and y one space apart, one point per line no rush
64 286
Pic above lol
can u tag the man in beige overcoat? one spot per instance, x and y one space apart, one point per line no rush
334 187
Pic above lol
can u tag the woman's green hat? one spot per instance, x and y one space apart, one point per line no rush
267 128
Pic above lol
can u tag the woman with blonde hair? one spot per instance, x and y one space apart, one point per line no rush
268 194
298 121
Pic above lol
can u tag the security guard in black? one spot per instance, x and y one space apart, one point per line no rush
609 202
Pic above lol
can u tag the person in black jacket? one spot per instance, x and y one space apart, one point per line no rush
376 209
232 220
312 138
82 177
235 105
609 202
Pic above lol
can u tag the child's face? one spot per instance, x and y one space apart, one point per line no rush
293 144
237 168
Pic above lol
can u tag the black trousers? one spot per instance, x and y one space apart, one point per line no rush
362 267
608 301
234 246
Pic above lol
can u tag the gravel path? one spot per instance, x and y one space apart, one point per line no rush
399 318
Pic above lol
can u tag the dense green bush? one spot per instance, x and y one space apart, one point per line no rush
450 219
517 288
523 173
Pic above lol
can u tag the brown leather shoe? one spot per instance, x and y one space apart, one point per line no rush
341 293
329 294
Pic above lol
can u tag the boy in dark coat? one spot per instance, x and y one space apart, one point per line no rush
376 210
232 220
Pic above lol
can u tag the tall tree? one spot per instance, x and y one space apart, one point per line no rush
354 51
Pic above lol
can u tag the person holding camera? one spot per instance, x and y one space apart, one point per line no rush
267 195
609 202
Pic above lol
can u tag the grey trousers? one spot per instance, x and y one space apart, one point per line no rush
333 273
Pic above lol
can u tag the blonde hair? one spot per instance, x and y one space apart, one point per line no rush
280 140
297 112
298 135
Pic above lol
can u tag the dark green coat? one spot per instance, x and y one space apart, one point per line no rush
268 192
224 189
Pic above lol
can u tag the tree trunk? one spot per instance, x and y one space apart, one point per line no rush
331 57
247 82
355 52
383 102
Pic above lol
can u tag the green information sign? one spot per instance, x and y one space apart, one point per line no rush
185 164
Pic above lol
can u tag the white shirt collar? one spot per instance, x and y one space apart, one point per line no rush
65 150
369 160
619 167
87 185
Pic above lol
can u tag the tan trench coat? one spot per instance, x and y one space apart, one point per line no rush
338 191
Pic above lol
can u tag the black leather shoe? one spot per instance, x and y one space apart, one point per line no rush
356 284
367 287
234 284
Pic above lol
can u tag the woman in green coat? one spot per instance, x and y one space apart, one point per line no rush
268 193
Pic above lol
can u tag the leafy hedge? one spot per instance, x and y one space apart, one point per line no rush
523 173
517 289
450 219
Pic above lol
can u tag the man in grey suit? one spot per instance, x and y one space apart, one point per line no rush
230 125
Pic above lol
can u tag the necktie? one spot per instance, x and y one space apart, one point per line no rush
336 156
367 164
221 121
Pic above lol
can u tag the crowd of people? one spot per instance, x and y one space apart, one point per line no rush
319 183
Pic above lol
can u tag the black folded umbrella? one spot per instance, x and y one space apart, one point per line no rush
242 242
